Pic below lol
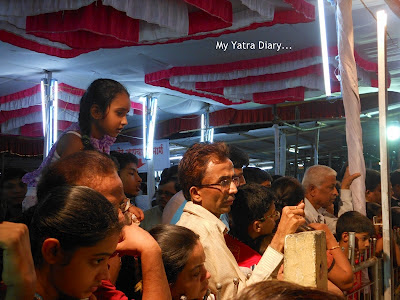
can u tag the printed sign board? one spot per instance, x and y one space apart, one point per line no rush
160 154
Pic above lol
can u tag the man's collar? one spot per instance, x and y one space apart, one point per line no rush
311 203
311 213
203 213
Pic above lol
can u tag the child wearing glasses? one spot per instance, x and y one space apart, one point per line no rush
253 218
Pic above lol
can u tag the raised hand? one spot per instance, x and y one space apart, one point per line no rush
135 241
18 268
348 179
292 217
137 212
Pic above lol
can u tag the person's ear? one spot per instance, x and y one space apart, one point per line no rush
195 196
51 251
256 226
345 237
96 112
312 190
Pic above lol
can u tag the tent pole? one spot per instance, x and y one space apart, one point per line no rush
277 160
296 148
386 215
316 145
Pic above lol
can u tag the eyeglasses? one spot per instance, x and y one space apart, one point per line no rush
274 215
224 184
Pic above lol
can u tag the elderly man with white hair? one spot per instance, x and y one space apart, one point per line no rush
319 183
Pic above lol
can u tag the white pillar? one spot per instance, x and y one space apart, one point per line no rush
277 160
282 155
149 124
382 99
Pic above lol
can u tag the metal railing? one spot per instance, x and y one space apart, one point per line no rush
370 267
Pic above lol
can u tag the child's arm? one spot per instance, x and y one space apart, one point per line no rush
68 144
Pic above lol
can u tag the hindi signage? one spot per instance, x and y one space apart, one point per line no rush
160 154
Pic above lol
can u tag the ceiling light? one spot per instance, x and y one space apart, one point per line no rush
393 132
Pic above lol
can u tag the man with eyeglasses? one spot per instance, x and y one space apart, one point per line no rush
239 159
207 178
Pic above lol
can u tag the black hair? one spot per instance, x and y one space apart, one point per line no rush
252 201
395 216
100 92
275 177
288 191
353 221
124 158
176 243
76 216
373 209
170 174
395 177
238 157
372 179
193 165
11 173
342 171
256 175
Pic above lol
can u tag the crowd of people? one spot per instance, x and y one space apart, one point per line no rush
217 229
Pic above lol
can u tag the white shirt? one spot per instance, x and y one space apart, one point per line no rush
220 261
322 216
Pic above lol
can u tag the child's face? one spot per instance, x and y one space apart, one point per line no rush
269 221
14 191
362 239
85 270
114 119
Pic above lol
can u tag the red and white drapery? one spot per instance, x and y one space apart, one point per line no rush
292 76
71 27
21 112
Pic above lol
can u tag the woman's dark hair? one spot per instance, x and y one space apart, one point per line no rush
76 216
252 201
283 290
100 92
288 191
256 175
176 243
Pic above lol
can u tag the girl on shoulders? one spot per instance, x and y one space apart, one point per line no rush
102 116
